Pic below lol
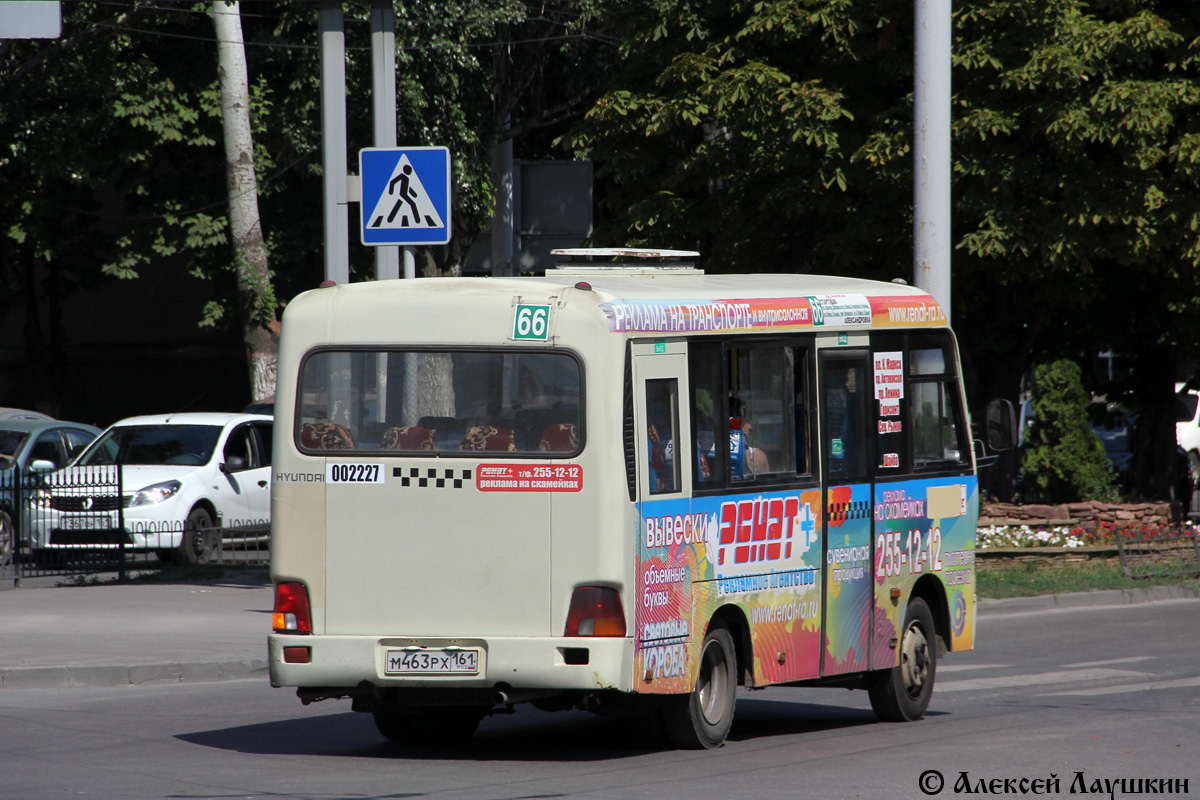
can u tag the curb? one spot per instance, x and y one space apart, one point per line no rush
67 677
1109 598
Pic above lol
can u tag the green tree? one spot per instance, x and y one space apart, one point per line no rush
471 74
1063 460
733 126
776 135
1076 150
113 166
256 297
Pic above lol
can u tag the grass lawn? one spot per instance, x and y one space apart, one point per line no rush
1030 581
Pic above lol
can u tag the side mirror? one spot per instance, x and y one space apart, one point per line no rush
42 465
233 464
1001 425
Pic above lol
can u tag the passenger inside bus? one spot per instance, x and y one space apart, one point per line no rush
660 475
745 460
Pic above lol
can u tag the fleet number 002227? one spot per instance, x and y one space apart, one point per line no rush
354 473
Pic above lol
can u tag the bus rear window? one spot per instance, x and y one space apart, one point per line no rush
424 402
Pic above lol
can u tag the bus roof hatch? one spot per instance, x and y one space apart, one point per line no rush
627 261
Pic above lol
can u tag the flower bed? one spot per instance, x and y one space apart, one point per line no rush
1072 536
1010 546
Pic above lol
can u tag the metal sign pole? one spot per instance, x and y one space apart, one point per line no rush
333 141
383 107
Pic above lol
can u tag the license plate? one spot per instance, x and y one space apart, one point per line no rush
433 661
86 522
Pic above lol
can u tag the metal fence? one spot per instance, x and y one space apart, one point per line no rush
1154 556
76 521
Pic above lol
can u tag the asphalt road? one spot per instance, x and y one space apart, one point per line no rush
1073 695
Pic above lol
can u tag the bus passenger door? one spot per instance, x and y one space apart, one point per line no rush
846 469
666 532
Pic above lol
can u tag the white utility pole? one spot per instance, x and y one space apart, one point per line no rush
931 150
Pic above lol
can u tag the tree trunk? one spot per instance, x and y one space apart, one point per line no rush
256 299
1158 469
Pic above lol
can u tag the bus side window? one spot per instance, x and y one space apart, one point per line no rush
662 434
800 362
934 410
708 394
761 414
935 435
846 415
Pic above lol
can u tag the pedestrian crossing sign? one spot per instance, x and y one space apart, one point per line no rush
405 195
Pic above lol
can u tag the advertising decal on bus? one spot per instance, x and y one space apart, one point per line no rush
848 561
760 315
529 478
923 527
763 553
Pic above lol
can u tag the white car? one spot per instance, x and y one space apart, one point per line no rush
184 482
1187 429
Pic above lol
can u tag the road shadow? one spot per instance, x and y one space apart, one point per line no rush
526 735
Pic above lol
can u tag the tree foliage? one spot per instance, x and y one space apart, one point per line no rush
776 135
112 165
744 129
1063 460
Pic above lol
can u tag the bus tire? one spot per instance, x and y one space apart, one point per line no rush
902 693
700 720
430 724
200 539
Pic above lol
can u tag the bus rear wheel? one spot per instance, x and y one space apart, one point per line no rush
701 720
430 724
902 693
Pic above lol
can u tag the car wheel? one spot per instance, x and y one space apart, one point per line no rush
903 692
701 719
430 724
200 539
1193 468
8 538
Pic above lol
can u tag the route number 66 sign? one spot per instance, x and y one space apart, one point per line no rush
531 323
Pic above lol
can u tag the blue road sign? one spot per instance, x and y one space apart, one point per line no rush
405 195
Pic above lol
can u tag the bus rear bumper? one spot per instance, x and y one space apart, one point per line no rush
524 664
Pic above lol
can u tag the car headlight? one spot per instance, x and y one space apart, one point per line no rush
155 494
40 499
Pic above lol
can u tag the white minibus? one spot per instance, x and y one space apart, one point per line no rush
625 486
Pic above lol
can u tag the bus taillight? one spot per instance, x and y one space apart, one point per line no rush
292 613
595 611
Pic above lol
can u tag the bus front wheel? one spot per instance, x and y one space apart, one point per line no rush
902 693
701 719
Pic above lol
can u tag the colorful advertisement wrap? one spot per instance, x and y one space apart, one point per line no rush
924 527
759 552
770 556
772 314
848 585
